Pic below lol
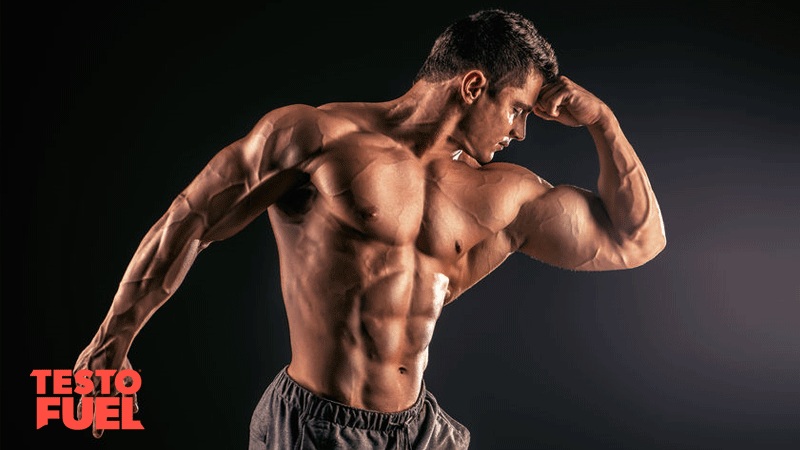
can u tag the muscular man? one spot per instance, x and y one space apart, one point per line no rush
385 212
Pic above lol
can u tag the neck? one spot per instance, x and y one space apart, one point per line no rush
427 116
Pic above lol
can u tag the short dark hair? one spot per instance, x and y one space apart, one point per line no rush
503 45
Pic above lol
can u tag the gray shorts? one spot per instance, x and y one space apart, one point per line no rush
289 417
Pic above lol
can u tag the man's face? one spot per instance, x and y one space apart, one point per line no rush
493 121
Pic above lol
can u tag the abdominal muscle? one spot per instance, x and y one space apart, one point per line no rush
361 321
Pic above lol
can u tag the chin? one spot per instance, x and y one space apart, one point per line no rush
480 157
488 156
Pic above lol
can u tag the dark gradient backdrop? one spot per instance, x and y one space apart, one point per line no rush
108 111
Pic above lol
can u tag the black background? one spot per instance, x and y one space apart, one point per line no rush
108 111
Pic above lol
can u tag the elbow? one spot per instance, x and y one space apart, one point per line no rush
645 250
661 243
646 242
658 240
656 247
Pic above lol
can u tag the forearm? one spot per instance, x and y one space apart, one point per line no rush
624 188
156 270
219 202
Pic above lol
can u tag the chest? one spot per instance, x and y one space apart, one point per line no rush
442 207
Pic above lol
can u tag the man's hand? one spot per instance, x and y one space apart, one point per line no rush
96 358
564 101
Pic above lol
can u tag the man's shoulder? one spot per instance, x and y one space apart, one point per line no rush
292 133
297 116
516 171
315 123
526 184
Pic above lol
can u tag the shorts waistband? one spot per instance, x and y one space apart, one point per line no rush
317 407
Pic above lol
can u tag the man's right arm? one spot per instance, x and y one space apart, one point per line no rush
236 186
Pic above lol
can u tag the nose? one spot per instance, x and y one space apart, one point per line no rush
518 130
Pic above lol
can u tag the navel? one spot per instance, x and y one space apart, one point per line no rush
458 247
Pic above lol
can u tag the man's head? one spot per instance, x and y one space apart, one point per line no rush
489 122
504 46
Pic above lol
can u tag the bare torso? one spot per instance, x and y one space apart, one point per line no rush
381 220
371 247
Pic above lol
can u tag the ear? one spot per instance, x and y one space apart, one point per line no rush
473 84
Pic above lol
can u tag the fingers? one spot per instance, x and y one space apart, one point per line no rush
553 97
568 103
98 433
128 382
95 432
542 113
99 383
553 86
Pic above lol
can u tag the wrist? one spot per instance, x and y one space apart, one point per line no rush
604 120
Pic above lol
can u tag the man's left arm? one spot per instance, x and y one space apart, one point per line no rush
620 227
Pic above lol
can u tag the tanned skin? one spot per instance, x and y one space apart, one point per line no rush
385 212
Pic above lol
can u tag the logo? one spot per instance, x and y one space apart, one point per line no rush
110 413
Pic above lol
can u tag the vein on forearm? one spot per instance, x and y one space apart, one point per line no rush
623 185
